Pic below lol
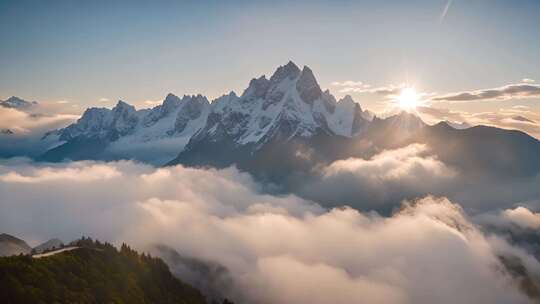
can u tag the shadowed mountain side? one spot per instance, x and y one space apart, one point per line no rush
483 150
476 152
79 148
212 279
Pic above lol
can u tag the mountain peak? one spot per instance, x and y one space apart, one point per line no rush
258 87
122 105
307 86
290 70
171 96
347 99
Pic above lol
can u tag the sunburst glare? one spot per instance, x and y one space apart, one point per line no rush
408 99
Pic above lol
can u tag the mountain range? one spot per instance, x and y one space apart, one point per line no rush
290 104
281 127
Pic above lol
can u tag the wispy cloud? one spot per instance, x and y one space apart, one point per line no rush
103 99
445 11
348 83
351 86
360 87
501 93
528 80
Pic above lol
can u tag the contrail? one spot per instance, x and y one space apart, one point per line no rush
445 11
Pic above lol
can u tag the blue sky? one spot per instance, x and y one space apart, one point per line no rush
82 51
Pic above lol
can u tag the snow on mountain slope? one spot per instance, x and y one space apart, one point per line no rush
169 127
289 104
155 135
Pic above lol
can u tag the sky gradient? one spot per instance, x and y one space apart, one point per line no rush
82 52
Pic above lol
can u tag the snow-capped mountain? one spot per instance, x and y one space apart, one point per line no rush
289 104
273 116
17 103
124 132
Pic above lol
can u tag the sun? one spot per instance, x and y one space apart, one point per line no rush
408 99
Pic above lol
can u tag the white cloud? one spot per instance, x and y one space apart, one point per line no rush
104 99
349 83
527 80
76 173
382 180
523 217
152 103
24 122
276 248
510 218
392 165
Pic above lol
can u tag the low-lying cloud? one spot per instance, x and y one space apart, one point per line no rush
25 123
26 130
275 249
383 180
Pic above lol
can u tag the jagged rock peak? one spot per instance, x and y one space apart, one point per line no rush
171 98
200 98
347 99
290 70
123 106
170 103
257 87
307 86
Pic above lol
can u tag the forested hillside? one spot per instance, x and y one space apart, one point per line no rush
93 273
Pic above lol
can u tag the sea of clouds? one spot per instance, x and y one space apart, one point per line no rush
284 248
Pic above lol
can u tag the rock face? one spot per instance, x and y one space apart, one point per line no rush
10 245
